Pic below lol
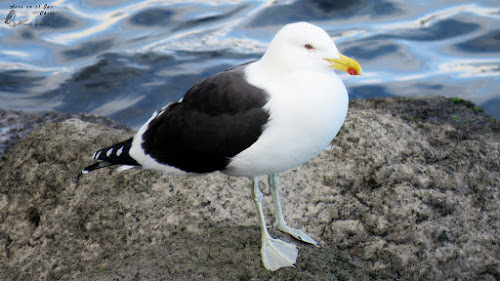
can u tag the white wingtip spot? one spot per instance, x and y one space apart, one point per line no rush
108 153
96 155
119 151
85 172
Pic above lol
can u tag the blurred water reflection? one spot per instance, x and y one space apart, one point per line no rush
125 59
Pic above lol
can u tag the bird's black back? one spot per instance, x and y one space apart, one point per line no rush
218 118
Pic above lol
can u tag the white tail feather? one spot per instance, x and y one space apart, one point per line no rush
124 168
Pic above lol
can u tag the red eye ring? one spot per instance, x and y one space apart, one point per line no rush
308 46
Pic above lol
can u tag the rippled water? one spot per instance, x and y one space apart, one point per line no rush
125 59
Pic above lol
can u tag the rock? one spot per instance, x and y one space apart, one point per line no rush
14 125
409 191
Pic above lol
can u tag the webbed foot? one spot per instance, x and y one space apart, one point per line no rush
277 254
298 234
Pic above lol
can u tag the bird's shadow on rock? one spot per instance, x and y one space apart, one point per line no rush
227 253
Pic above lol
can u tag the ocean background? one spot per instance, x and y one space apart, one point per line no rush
125 59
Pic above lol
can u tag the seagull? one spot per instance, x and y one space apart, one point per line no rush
256 119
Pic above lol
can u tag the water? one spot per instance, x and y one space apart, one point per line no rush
125 59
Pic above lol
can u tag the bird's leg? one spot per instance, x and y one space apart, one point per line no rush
275 253
278 213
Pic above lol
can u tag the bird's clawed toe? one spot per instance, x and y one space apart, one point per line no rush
298 234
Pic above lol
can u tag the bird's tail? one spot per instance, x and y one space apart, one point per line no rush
113 155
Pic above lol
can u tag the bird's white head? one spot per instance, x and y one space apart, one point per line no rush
304 46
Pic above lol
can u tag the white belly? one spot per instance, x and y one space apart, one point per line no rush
304 118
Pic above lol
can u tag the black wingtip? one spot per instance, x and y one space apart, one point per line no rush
113 155
96 166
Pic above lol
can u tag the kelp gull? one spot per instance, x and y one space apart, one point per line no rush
259 118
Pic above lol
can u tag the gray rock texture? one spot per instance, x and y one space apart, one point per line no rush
14 125
408 191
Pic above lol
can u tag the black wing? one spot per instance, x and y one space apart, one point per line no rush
217 118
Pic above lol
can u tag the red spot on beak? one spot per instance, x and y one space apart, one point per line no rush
352 71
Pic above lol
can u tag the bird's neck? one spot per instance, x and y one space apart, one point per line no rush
274 64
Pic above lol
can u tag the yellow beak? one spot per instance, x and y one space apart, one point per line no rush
346 64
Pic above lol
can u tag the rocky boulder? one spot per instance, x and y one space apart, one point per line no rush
408 191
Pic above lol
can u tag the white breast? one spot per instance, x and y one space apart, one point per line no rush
304 118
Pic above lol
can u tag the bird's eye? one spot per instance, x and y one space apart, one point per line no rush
308 46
